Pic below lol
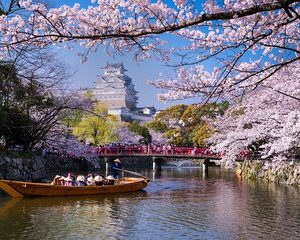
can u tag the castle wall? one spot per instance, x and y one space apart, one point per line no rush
115 89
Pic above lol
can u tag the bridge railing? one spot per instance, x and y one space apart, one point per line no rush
154 150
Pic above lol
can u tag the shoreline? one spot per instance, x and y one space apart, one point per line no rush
281 173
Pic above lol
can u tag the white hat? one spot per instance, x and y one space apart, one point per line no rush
62 178
57 176
117 160
68 179
80 178
90 179
98 178
110 177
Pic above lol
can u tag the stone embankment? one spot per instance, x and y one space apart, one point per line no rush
285 172
38 168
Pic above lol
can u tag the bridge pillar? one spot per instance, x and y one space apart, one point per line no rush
153 175
153 164
106 166
205 165
156 163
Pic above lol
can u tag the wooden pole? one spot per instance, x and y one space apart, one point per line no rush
140 175
106 166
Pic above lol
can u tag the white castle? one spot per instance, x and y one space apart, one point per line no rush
116 90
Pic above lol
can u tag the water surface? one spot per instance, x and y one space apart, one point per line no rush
193 206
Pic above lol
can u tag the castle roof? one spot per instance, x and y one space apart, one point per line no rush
115 65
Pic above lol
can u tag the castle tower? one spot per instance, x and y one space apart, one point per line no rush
115 88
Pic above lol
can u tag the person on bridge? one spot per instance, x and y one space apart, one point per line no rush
114 168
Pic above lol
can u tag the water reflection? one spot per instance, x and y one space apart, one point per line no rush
71 217
218 206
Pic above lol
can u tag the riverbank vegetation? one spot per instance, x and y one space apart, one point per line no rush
179 125
188 125
97 126
30 107
267 121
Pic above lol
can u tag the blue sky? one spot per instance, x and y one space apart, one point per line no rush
86 73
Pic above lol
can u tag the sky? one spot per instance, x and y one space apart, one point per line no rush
86 73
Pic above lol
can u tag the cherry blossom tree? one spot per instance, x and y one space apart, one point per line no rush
158 138
244 51
267 121
75 149
128 137
224 46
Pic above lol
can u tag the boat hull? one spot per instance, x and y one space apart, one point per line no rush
19 189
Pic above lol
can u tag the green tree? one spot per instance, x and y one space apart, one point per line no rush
73 118
185 125
27 113
178 136
97 127
142 131
173 112
157 126
201 134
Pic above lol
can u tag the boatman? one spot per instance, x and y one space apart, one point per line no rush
114 168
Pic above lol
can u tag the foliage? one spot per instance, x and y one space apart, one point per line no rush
178 136
268 120
17 154
98 128
157 126
20 105
201 134
74 118
142 131
246 40
128 137
249 42
173 112
186 125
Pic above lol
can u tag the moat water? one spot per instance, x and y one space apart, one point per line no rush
190 206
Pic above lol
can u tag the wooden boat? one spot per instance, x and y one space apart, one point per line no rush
18 189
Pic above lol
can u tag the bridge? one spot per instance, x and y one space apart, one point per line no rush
158 153
162 152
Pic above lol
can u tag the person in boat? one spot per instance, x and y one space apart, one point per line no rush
62 181
90 181
81 181
110 180
116 165
90 175
56 180
74 183
99 180
70 181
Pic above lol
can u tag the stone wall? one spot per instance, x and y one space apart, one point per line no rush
38 168
285 172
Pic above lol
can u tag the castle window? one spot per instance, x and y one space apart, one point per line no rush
112 71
